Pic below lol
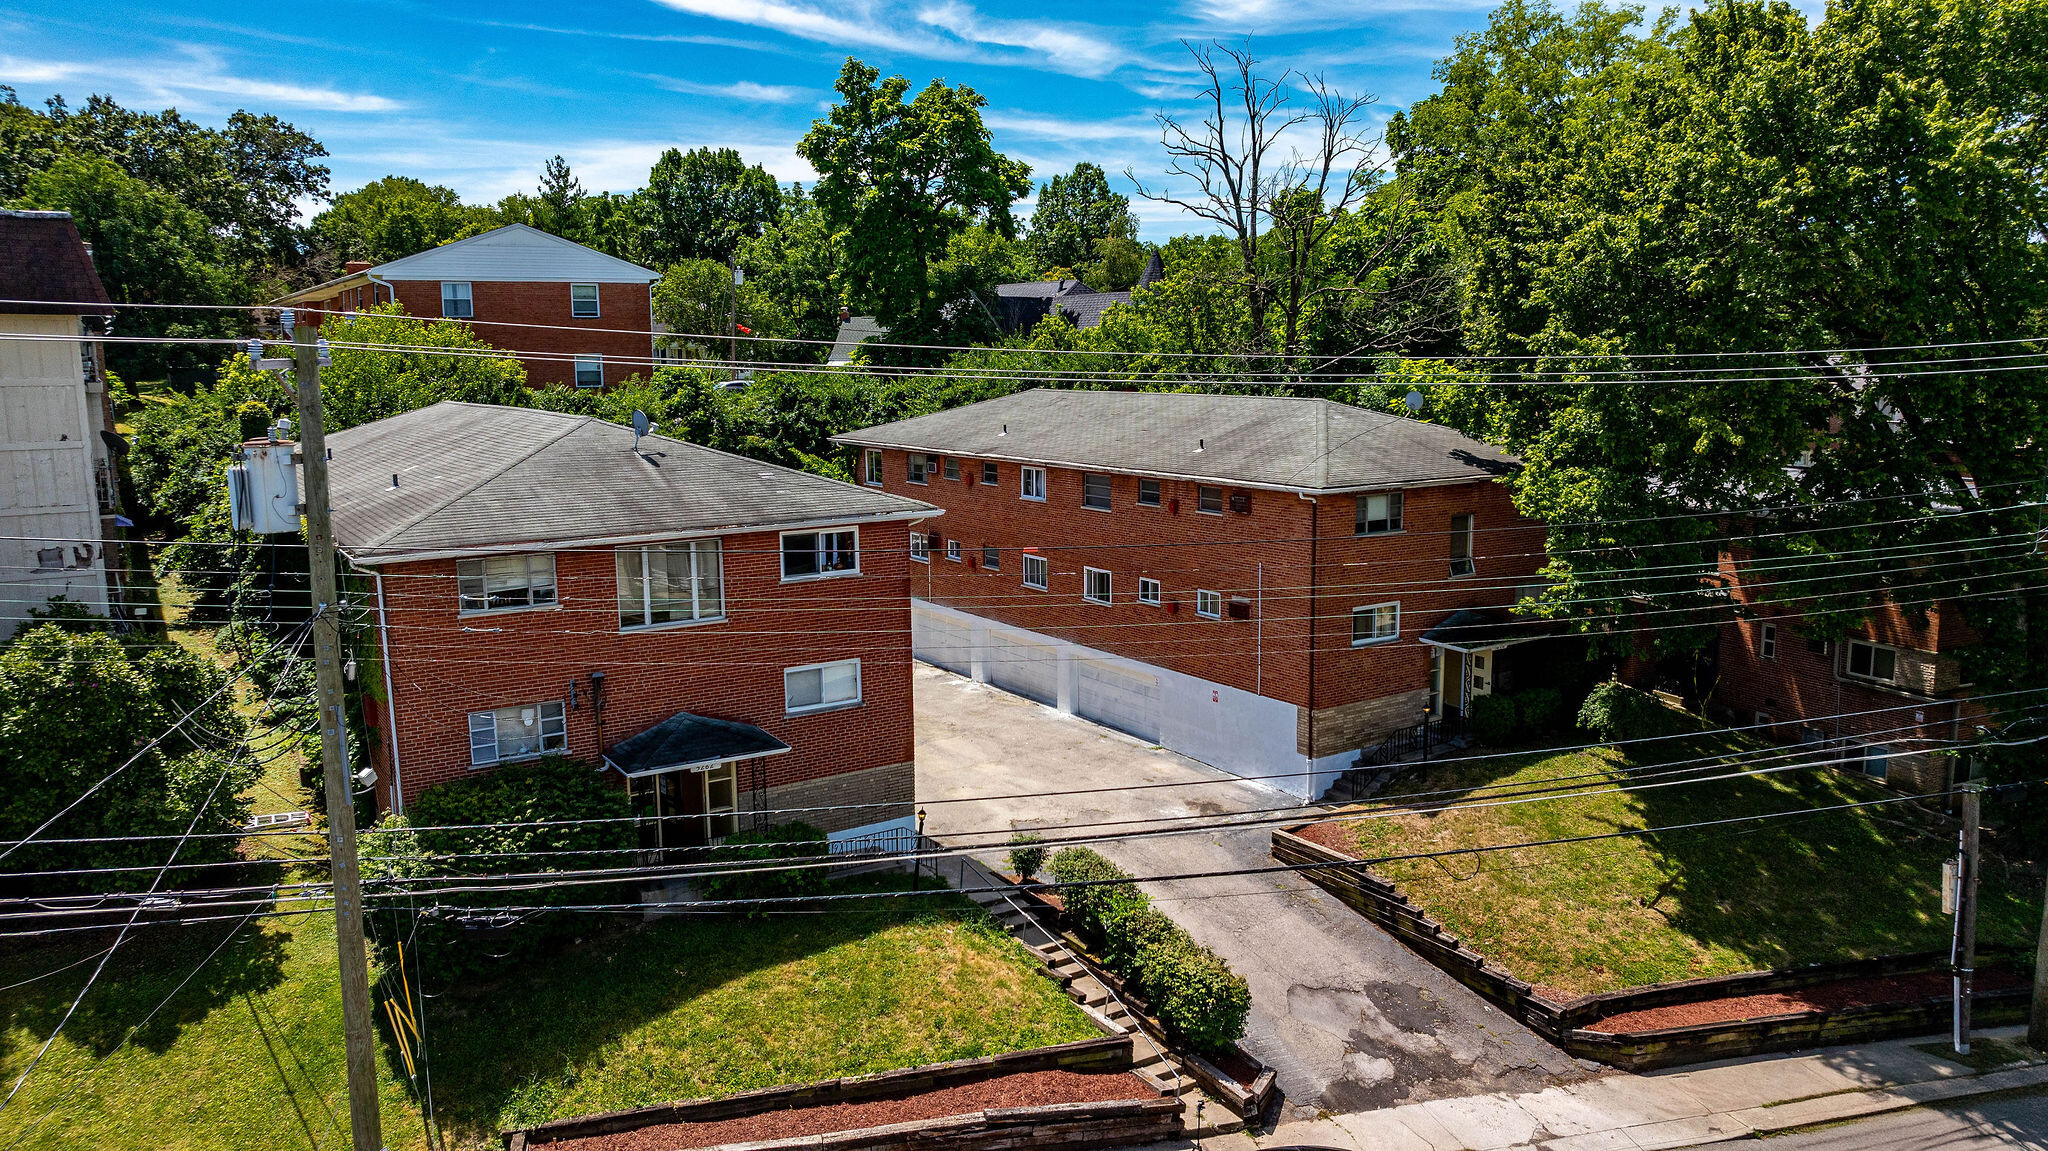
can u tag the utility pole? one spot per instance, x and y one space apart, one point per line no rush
1965 951
365 1123
733 332
2037 1016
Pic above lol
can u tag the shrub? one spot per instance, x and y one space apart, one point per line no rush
1201 1001
784 843
1538 708
1492 719
1026 854
1617 712
1126 938
1105 897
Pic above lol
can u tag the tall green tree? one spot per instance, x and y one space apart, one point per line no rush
1075 213
395 217
702 204
899 180
799 263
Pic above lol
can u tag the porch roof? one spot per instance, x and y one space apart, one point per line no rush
1467 630
685 740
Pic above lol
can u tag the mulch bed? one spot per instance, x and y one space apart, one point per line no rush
1026 1089
1334 836
1243 1071
1876 991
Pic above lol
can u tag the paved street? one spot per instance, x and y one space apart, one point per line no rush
2006 1121
1351 1019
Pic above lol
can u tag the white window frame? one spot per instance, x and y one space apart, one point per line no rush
920 547
696 586
593 363
817 535
953 550
949 467
1148 591
1158 492
552 742
1108 595
1214 598
476 572
874 465
1767 642
1461 546
720 820
577 314
1108 493
823 704
1374 636
1025 476
1395 509
465 297
917 468
1849 661
991 475
1043 567
1202 497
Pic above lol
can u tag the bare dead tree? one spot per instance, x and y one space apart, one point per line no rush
1279 204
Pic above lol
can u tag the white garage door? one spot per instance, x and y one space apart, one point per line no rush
947 643
1125 700
1030 669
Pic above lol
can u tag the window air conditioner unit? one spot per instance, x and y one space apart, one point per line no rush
1239 608
1241 503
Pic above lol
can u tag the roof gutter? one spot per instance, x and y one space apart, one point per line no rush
367 557
390 698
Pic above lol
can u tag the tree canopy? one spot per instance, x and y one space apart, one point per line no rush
395 217
702 204
1075 213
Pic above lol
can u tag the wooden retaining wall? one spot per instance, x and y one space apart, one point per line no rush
1055 1125
1566 1024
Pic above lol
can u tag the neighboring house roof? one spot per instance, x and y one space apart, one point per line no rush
1281 442
480 477
1041 289
1084 309
43 261
851 333
1155 270
515 253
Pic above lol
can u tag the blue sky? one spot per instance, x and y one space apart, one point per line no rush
476 96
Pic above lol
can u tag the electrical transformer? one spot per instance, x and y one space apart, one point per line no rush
263 489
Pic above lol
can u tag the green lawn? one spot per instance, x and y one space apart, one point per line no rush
1608 914
249 1056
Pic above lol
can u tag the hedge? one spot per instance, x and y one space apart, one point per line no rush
785 843
1493 719
1617 713
1027 854
1190 988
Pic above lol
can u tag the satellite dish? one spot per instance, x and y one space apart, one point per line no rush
640 426
1413 399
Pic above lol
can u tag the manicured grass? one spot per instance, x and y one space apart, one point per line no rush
249 1055
1614 913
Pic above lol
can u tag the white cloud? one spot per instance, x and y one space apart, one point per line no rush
197 73
743 90
1067 47
945 30
1060 128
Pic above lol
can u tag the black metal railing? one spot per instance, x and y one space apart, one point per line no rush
1433 732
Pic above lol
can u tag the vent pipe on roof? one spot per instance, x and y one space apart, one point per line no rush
1202 445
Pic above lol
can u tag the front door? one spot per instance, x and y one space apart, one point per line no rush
681 794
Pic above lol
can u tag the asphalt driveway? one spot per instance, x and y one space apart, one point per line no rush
1350 1018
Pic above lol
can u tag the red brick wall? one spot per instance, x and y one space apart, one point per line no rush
1188 550
626 306
441 672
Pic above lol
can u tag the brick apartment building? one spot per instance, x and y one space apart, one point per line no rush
1265 584
724 635
518 275
1872 701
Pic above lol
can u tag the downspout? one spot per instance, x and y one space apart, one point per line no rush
372 277
390 699
1314 531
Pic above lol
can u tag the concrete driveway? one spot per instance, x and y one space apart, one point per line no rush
1350 1018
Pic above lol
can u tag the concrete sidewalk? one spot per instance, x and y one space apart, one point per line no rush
1681 1108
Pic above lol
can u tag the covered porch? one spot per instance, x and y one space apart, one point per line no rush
1477 653
684 777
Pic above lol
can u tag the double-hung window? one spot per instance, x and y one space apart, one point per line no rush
807 554
1095 585
589 372
990 474
1032 483
1095 492
951 468
670 583
819 686
455 300
1208 499
920 547
1209 604
874 467
991 558
953 550
1379 513
1461 545
521 732
503 583
1767 641
1148 493
1375 623
583 301
1035 571
919 467
1148 590
1869 661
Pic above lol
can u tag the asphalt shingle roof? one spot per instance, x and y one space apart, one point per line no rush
686 740
480 476
1282 442
42 259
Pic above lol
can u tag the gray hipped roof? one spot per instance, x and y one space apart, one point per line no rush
479 477
686 740
1300 444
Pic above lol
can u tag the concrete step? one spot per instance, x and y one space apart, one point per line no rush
1211 1119
1068 970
